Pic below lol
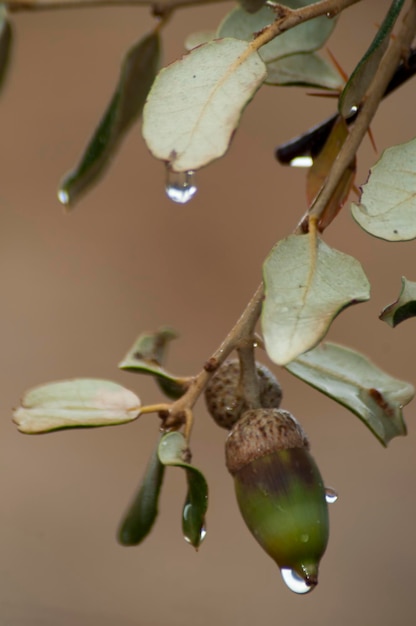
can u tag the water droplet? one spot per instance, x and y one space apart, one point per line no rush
331 495
295 582
301 161
63 196
195 541
180 186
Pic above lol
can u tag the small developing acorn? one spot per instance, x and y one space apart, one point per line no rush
221 394
280 492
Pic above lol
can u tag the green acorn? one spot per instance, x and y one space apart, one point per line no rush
280 492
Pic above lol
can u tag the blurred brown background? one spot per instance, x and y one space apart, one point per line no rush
78 288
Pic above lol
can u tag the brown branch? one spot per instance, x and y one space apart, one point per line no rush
159 7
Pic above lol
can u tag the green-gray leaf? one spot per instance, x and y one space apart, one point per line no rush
355 382
306 286
361 78
147 356
143 510
196 103
387 207
305 37
173 451
404 307
6 40
137 74
306 70
77 403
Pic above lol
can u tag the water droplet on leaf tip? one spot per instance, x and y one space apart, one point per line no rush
180 186
301 161
295 582
63 196
331 495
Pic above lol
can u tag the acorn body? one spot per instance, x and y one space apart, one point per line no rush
279 490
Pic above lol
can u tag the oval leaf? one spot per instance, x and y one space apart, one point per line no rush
387 206
355 382
173 451
196 103
147 356
138 72
361 78
306 287
404 307
82 402
305 37
143 510
306 70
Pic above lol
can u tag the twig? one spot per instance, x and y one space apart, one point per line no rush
160 7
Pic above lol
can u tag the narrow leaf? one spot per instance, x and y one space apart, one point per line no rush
173 451
196 103
387 207
361 78
6 40
81 402
355 382
404 307
137 74
306 70
305 37
306 287
147 356
142 512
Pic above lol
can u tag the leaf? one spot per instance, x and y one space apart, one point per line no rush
403 308
147 356
142 512
251 6
137 74
6 40
196 103
197 39
361 78
173 451
355 382
305 37
81 402
306 70
306 288
387 207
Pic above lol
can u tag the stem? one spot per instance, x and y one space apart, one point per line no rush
160 7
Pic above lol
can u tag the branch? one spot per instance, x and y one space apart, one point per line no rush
159 7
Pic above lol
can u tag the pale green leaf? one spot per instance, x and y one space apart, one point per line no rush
147 356
173 451
361 78
306 286
307 69
404 307
81 402
305 37
195 103
355 382
142 512
387 207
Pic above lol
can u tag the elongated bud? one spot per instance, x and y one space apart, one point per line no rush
280 492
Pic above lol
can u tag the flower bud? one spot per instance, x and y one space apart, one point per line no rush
280 492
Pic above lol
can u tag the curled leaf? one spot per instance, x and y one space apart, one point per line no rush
137 74
142 512
81 402
147 356
387 205
403 308
355 382
195 103
306 286
173 451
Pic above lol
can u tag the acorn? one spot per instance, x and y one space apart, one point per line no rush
223 401
280 492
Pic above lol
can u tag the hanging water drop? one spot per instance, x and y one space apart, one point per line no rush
63 197
331 495
301 161
295 582
180 186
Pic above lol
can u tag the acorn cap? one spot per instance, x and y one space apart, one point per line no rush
260 432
